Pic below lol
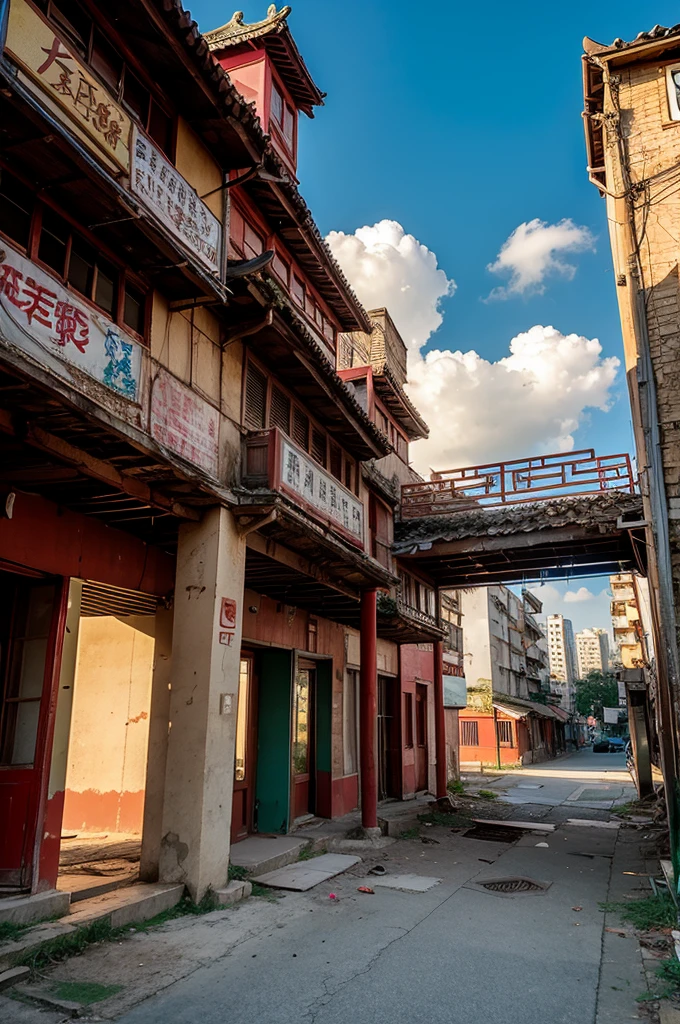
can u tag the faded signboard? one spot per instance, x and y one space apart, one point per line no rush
174 202
45 320
49 61
184 423
322 492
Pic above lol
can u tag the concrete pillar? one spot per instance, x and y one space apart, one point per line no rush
203 702
440 719
368 711
159 725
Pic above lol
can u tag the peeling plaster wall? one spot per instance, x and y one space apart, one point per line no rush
110 725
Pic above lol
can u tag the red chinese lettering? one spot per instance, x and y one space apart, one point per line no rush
71 325
39 302
63 86
113 134
100 117
10 284
52 54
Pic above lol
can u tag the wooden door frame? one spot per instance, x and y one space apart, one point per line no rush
246 654
46 721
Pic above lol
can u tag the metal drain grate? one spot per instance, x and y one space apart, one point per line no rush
512 885
495 833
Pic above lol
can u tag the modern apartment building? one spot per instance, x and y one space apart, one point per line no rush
592 651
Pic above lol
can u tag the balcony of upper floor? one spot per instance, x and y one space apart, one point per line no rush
289 497
408 613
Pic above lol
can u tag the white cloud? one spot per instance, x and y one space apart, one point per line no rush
389 268
582 594
530 401
532 253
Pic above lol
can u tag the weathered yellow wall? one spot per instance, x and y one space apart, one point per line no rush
110 725
195 163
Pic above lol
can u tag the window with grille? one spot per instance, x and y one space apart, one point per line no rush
504 733
469 734
255 398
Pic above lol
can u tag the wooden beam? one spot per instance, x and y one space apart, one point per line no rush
97 468
511 541
278 553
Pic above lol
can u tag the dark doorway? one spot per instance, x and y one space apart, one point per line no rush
421 737
388 738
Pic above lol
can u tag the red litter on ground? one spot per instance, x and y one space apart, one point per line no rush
332 896
366 888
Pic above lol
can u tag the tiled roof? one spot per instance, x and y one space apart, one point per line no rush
658 32
274 35
587 510
235 106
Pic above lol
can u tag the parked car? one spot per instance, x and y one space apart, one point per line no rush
601 746
616 744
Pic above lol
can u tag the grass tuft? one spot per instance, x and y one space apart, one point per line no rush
487 794
456 786
10 932
648 912
445 819
410 833
265 893
237 874
85 992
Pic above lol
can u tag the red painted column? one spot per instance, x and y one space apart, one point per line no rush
368 710
439 719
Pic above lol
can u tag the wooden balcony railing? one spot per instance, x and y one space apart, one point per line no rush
273 462
511 483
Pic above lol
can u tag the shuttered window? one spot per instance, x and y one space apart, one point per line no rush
301 428
279 412
336 462
256 398
469 734
319 446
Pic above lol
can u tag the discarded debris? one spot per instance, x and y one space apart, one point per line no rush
332 896
378 869
577 908
543 844
367 889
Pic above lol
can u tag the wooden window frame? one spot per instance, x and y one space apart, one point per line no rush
469 729
124 274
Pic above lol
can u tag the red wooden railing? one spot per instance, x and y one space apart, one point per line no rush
511 483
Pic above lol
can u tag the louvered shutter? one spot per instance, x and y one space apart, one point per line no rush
256 398
319 446
279 411
301 428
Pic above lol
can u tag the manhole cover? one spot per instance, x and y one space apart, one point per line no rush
508 885
495 833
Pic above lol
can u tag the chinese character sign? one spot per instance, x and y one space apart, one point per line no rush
184 423
49 61
174 202
45 320
321 491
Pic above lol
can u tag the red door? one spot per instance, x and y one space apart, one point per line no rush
303 756
31 613
421 737
245 761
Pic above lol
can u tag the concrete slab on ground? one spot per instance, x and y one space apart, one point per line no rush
306 874
132 905
261 854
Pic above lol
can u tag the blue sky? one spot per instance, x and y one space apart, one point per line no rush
461 122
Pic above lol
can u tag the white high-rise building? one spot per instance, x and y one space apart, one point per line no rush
592 651
562 655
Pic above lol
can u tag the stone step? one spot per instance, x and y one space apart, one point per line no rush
25 909
260 854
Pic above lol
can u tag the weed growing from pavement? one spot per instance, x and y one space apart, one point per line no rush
265 893
456 786
648 912
487 794
410 833
237 874
85 992
309 854
452 820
